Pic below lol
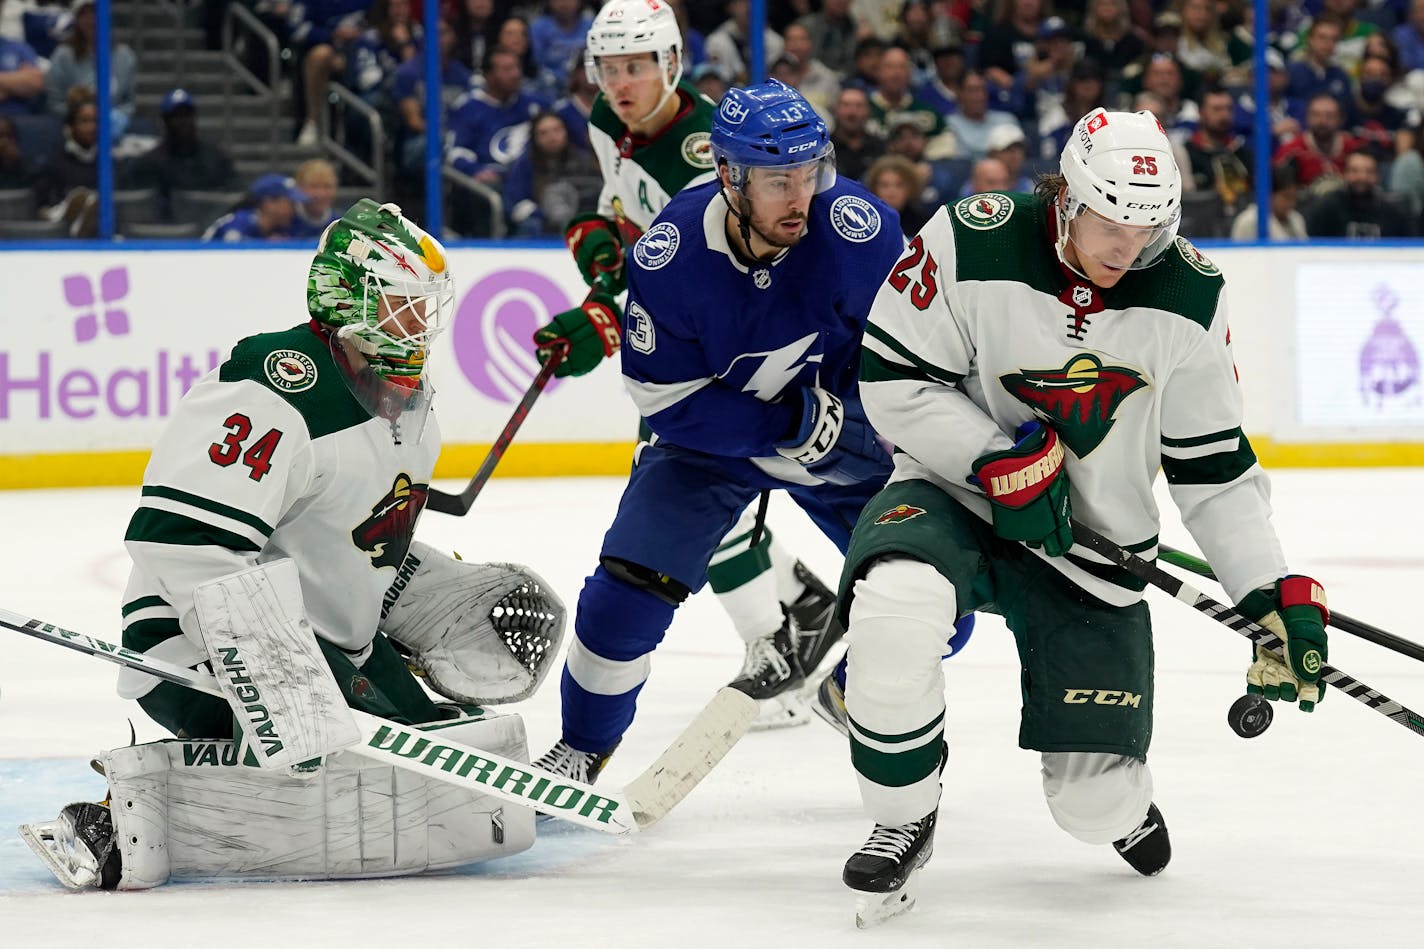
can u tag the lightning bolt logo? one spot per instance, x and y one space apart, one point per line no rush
777 368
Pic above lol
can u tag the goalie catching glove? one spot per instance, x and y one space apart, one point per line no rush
1294 609
832 439
1027 487
598 252
591 331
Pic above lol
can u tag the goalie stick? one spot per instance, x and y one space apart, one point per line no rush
648 798
1338 620
1231 619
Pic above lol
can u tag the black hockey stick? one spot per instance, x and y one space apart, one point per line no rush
1231 619
459 504
1405 647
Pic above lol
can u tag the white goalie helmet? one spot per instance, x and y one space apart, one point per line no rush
1119 165
627 27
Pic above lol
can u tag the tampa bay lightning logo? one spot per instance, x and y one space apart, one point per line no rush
509 143
854 218
655 249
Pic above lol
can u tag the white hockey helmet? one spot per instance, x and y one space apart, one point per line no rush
625 27
1120 166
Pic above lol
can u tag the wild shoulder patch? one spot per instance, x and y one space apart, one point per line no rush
1196 259
655 249
697 150
289 370
854 218
983 212
899 514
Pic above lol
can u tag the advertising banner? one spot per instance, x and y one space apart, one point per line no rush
98 346
1359 333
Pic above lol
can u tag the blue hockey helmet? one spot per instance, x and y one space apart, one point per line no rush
770 124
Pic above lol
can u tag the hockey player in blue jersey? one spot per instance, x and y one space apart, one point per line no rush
747 298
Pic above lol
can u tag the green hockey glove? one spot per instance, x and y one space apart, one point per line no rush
591 331
1027 487
1294 609
598 252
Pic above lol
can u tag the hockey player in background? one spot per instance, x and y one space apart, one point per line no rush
746 301
1036 358
650 134
297 471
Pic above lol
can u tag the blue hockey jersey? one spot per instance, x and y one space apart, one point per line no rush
713 347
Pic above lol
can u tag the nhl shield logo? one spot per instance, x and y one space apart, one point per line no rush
762 278
983 212
899 514
290 371
1082 296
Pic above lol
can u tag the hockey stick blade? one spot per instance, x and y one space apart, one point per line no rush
1338 620
458 505
1233 620
691 756
435 757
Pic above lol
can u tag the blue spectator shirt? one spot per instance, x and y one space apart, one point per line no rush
241 225
488 133
13 55
555 49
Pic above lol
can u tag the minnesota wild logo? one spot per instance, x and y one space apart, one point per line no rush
1079 400
899 514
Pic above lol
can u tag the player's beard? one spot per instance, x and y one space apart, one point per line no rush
780 240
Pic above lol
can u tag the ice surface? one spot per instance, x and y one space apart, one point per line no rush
1303 836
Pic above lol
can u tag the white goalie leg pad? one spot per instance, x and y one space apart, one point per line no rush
189 810
900 619
1096 797
266 658
482 633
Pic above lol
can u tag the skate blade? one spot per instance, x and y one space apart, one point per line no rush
872 909
787 710
71 873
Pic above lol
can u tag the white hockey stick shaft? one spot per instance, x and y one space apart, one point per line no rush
434 756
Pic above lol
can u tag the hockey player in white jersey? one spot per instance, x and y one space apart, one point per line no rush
279 507
1036 358
650 132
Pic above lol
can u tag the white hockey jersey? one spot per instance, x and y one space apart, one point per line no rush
270 456
980 328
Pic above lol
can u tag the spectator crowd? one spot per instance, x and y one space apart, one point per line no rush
929 100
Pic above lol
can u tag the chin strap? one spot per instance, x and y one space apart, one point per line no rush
744 223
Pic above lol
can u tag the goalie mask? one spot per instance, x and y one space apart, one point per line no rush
482 633
1124 197
380 284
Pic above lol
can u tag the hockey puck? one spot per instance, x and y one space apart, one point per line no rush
1250 715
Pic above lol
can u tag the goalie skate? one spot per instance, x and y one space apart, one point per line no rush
884 871
77 846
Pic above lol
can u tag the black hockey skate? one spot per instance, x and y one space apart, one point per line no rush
568 762
771 674
1147 849
78 846
883 870
814 615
